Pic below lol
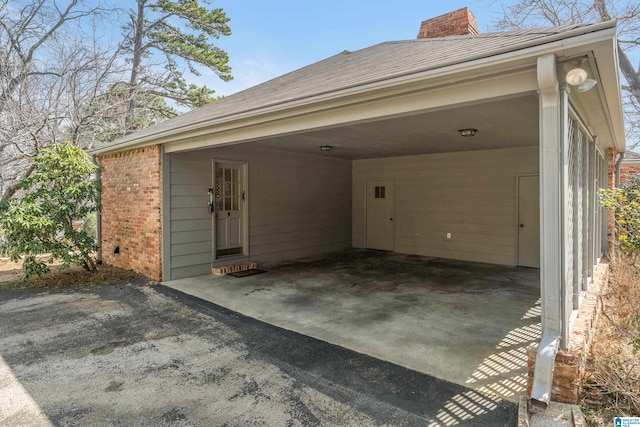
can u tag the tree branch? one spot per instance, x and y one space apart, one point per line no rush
13 189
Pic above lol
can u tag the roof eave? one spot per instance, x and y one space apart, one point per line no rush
610 77
563 42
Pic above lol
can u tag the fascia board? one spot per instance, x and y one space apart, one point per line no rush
604 54
566 44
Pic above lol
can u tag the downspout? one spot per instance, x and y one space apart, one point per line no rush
618 164
94 158
551 228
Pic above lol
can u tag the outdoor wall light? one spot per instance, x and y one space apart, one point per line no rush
576 76
468 132
326 147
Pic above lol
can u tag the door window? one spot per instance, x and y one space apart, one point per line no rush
227 189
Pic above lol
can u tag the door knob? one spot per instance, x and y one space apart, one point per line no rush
521 225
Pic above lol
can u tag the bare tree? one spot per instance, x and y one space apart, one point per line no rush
60 79
46 74
26 28
531 13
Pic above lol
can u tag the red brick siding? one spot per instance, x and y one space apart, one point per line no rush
460 22
611 163
627 172
130 216
611 183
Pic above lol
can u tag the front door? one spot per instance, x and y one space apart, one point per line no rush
529 221
229 205
380 212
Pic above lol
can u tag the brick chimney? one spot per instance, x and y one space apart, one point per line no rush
460 22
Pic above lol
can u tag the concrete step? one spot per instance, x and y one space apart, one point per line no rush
233 268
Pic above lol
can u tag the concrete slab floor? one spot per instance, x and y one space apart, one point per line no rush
468 323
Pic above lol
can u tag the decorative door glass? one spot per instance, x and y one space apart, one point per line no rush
227 189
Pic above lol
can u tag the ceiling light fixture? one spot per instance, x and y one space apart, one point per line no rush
468 132
326 147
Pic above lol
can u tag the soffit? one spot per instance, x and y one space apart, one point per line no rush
505 123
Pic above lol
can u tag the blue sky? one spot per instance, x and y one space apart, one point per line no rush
270 38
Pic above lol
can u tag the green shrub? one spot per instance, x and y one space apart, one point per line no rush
61 189
3 252
89 225
625 204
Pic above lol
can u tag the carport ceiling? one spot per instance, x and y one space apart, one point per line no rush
504 123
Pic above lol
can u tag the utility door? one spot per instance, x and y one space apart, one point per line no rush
229 203
380 210
529 221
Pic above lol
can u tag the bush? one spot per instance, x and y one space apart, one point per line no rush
612 384
625 204
89 225
2 243
60 190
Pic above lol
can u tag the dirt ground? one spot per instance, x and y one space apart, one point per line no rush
10 271
11 276
7 265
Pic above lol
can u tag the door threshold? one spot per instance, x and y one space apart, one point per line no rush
229 259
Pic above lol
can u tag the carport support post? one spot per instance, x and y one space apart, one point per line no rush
165 247
553 179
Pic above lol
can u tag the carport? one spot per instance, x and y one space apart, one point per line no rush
465 322
472 148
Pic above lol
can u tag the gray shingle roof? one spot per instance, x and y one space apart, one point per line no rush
349 69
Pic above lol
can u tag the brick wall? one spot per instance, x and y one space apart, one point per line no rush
130 216
628 171
611 163
570 364
460 22
611 183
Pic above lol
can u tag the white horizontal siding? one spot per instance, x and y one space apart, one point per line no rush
471 195
299 205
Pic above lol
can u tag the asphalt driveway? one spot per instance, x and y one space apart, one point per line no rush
147 355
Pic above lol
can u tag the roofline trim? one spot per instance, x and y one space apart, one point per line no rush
529 50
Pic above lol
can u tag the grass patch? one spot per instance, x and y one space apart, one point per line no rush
74 277
612 384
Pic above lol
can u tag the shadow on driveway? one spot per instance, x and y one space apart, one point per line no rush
148 355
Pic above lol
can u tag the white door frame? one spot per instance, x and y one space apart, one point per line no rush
244 203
